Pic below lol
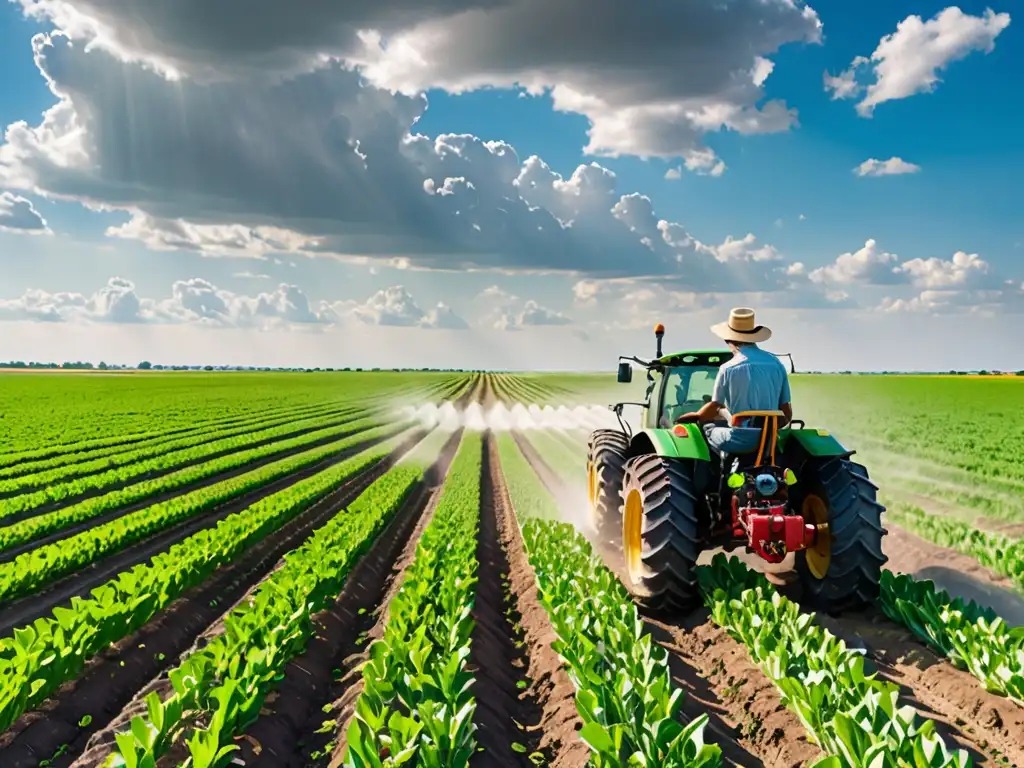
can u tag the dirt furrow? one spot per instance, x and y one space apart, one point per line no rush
113 679
746 716
508 711
960 575
549 683
964 712
472 393
26 610
291 729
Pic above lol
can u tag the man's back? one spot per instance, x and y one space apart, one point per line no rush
754 380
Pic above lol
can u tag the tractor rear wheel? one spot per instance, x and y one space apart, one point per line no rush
606 466
842 570
661 538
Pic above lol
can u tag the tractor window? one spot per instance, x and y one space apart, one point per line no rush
685 389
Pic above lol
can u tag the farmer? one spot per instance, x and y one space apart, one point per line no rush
753 380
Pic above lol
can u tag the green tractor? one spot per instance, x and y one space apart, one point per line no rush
670 496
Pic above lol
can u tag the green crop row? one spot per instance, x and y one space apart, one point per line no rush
847 710
30 476
224 421
568 464
40 657
159 463
624 692
140 405
995 551
43 524
974 638
45 564
417 705
218 691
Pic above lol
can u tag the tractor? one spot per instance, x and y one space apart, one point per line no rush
670 496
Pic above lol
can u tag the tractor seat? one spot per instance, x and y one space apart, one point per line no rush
766 424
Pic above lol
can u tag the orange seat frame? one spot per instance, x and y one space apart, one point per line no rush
771 425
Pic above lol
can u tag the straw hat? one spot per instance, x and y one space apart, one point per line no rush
741 326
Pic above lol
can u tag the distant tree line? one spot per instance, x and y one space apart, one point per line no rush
146 365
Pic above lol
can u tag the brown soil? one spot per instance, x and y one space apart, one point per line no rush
488 397
958 574
100 745
292 714
550 685
988 726
939 507
79 584
746 716
106 688
508 708
748 719
472 393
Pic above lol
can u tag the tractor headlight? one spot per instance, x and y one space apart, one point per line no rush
766 484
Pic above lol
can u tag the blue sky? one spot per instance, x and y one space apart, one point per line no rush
793 188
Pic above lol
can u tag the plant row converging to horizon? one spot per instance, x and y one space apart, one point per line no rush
103 532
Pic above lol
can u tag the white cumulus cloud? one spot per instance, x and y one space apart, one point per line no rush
19 215
894 166
909 60
395 306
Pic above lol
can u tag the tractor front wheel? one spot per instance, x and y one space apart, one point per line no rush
842 569
661 538
606 466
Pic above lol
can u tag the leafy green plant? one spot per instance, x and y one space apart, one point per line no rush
630 709
847 710
999 553
219 689
974 638
38 658
47 563
417 704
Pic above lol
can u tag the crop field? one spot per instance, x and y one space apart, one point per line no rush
370 569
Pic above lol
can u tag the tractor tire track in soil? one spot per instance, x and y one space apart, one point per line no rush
549 683
289 729
960 575
746 717
336 421
988 726
112 680
498 656
41 603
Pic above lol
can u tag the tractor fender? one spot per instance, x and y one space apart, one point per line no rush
664 443
816 443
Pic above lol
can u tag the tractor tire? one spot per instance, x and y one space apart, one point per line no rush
661 538
843 571
606 466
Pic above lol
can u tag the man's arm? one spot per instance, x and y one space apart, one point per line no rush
787 410
786 402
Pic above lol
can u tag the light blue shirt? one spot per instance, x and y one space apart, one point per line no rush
754 380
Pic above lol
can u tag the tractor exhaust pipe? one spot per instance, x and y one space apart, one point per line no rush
659 334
